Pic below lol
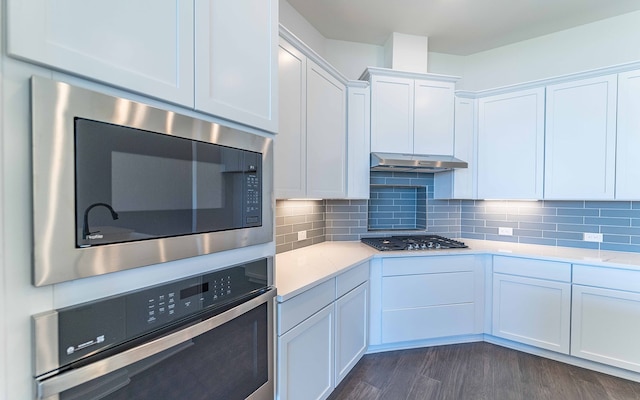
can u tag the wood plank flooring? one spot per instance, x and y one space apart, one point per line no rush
476 371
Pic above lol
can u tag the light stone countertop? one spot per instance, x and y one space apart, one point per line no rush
301 269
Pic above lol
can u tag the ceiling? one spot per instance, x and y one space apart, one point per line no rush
460 27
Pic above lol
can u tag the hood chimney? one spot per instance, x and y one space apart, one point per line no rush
406 52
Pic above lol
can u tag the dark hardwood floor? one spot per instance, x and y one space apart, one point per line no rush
476 371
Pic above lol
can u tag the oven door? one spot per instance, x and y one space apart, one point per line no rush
228 356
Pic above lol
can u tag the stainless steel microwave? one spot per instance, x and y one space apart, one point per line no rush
118 184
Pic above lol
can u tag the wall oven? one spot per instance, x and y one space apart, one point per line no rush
203 337
118 184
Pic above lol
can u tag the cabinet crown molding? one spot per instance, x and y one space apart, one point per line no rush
295 41
366 75
592 73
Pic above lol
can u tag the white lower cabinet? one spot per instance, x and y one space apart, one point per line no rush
606 320
306 358
532 302
424 298
351 329
322 334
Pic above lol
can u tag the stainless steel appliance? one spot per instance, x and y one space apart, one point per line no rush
396 162
204 337
118 184
413 242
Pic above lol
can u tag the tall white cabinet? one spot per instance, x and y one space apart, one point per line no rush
511 145
218 57
580 147
311 147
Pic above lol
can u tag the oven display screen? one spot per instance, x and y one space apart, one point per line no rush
194 290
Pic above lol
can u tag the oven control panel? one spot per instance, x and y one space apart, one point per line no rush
87 328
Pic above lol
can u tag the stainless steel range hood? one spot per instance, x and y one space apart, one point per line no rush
414 162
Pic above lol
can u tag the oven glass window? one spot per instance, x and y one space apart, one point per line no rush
229 362
135 185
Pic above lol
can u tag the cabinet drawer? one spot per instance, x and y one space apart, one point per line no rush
426 265
302 306
427 290
551 270
611 278
351 279
427 322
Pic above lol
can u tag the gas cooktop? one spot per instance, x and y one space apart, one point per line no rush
413 242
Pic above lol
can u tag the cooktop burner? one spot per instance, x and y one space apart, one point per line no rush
413 242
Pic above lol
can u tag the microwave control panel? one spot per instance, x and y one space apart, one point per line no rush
253 191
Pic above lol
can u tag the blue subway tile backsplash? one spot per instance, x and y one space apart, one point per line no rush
404 203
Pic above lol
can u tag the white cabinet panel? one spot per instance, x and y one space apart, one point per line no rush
628 139
580 142
351 329
461 183
290 145
306 360
433 117
511 145
326 134
606 326
391 114
236 60
117 42
532 311
358 141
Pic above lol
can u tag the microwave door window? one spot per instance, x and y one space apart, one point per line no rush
136 185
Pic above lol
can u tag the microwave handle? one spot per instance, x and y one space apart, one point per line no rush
49 389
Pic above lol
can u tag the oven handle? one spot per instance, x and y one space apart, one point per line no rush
51 387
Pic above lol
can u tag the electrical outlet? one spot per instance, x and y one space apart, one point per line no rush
503 231
302 235
592 237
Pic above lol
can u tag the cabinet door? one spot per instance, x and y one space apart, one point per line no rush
532 311
326 134
628 140
306 360
290 145
433 117
236 60
351 329
358 142
580 145
461 183
117 42
606 326
391 115
511 145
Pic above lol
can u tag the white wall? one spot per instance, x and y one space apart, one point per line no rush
300 27
599 44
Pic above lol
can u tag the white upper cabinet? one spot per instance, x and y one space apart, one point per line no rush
145 46
628 139
218 57
391 114
358 140
511 145
580 146
311 147
236 66
290 146
326 134
433 117
411 113
461 183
